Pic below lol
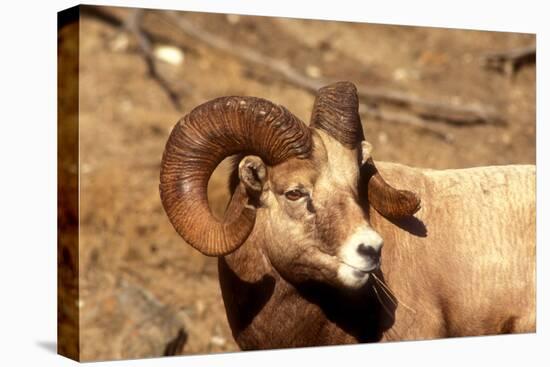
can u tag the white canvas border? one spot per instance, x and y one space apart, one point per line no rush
28 151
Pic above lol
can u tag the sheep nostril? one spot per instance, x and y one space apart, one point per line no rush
369 251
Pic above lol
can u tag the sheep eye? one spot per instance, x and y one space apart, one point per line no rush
294 195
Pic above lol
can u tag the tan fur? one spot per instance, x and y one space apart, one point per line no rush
464 265
474 271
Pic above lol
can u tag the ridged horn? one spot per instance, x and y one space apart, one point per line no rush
388 201
336 111
200 141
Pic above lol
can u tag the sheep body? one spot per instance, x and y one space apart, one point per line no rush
464 265
300 245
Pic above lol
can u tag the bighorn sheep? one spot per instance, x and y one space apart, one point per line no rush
300 245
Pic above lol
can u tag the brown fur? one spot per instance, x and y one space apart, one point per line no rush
464 265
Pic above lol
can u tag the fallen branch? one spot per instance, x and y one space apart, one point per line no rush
424 109
510 61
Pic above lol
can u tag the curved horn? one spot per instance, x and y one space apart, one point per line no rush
388 201
200 141
336 111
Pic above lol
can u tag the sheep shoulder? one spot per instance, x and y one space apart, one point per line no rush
465 263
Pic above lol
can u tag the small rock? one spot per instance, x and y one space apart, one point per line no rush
233 18
400 74
120 43
169 54
313 71
218 341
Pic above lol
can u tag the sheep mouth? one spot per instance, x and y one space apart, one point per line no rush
362 271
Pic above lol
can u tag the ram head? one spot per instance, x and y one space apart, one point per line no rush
300 194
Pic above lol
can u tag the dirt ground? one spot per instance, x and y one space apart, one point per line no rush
140 284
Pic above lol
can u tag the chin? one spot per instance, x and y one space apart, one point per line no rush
352 278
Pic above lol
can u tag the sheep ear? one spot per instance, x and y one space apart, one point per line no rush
387 200
247 183
253 174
